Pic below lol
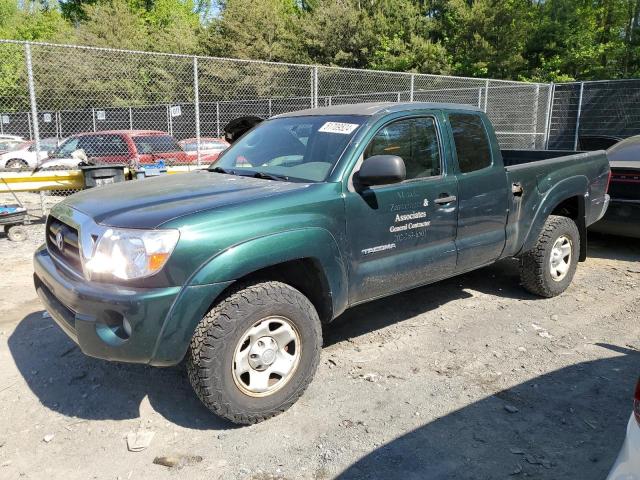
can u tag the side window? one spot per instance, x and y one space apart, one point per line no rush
115 145
415 140
472 144
90 145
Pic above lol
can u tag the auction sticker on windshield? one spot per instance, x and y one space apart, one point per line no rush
338 127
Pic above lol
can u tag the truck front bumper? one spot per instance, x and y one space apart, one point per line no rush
140 325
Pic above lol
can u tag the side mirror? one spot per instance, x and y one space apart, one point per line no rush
382 170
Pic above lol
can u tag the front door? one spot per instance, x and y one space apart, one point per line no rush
403 235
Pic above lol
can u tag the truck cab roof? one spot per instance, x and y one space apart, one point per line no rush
375 108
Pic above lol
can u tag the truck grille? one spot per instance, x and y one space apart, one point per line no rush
62 242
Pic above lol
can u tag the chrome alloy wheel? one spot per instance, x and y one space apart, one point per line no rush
266 356
560 259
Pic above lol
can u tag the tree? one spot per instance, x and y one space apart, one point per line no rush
256 29
337 32
486 37
126 27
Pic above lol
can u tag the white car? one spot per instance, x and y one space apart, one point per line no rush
24 156
627 466
9 142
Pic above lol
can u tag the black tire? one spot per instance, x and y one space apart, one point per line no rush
210 359
16 163
16 233
535 265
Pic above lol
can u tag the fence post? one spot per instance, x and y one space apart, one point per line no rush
549 116
412 87
34 112
218 119
536 106
93 118
130 118
575 139
315 86
270 109
486 94
196 92
479 97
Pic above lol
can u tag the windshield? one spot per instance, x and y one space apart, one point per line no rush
66 148
303 148
156 144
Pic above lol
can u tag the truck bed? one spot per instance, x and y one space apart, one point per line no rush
512 157
537 172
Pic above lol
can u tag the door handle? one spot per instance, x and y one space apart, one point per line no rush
445 200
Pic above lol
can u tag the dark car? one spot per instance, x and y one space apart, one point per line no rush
623 215
590 143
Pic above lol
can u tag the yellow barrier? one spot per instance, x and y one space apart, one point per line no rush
56 179
47 180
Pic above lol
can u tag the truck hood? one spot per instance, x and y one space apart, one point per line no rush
151 202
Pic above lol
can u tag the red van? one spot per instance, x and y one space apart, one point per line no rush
130 147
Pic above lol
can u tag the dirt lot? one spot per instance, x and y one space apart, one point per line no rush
469 378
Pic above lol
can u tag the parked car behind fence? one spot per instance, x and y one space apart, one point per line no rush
25 155
210 148
9 142
129 147
623 215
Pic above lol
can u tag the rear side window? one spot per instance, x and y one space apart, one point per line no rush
103 145
156 144
472 144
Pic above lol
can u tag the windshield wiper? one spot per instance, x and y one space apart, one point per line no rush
222 170
270 176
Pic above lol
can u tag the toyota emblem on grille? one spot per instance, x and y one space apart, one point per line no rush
60 241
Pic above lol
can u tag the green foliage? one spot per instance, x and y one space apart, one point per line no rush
544 40
256 29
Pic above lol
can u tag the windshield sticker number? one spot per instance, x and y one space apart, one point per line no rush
338 127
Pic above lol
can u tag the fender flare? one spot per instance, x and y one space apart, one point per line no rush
219 272
313 243
568 188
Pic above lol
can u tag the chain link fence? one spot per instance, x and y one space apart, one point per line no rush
70 104
594 113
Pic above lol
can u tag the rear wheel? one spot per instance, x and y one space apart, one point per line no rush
253 355
547 269
16 163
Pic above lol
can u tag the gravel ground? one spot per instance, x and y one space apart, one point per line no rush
468 378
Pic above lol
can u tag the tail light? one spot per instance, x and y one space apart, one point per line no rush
636 403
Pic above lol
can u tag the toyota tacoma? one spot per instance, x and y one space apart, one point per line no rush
235 268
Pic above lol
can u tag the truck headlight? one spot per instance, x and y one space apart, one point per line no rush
129 253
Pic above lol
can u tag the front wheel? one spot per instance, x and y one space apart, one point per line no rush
547 269
16 233
253 355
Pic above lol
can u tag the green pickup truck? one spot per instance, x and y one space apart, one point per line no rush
234 268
